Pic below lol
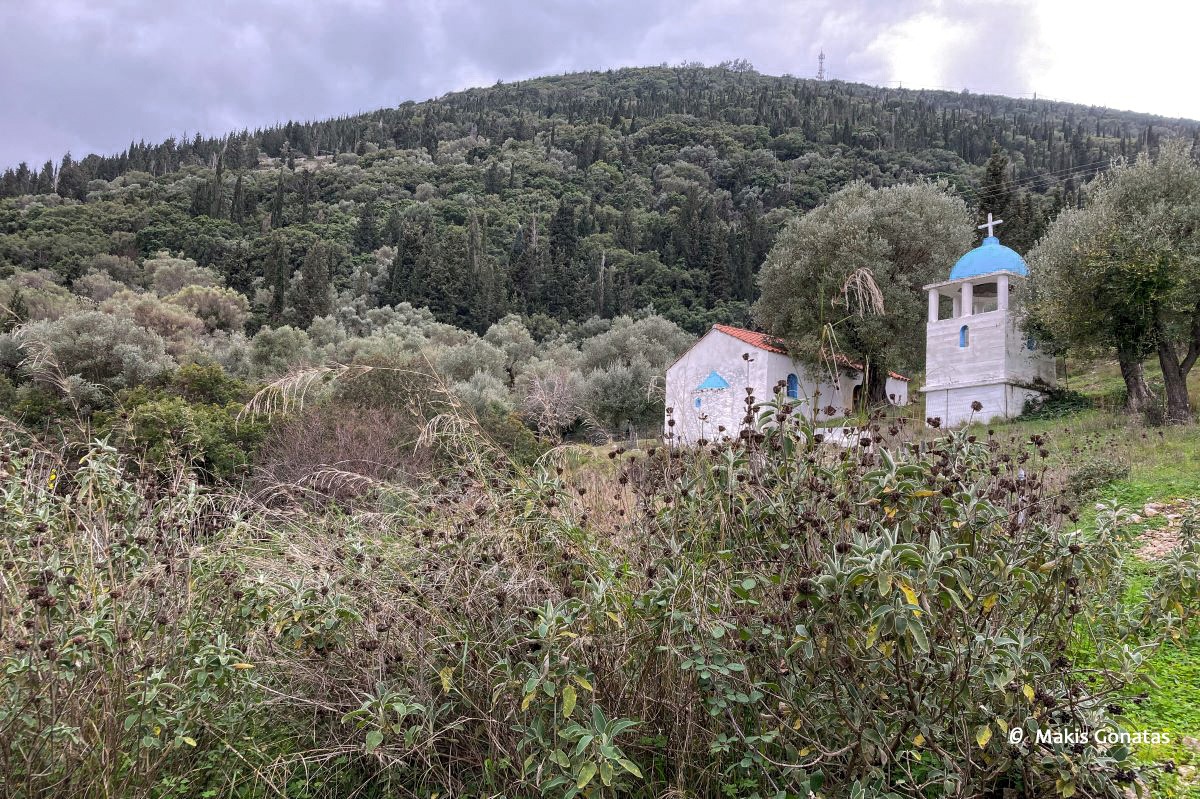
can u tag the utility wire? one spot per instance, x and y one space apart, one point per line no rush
1009 185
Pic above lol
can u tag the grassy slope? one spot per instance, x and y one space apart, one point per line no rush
1163 464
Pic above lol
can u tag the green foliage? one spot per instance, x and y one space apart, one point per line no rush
847 276
1132 251
166 429
569 195
1056 403
1089 477
101 349
653 193
122 659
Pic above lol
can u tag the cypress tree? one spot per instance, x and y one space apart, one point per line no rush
529 266
307 189
446 276
277 274
366 235
72 183
493 179
399 285
393 229
217 193
25 178
720 282
201 203
409 276
563 236
484 304
16 313
313 294
627 234
996 193
429 136
237 204
277 205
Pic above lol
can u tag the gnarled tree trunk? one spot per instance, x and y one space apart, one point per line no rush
1175 373
1138 397
876 385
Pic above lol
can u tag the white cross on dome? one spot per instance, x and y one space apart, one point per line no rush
990 224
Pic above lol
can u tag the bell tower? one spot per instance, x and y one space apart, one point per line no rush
975 350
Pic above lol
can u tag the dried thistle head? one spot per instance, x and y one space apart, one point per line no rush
860 293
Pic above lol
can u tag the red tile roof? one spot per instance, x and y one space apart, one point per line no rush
771 344
760 340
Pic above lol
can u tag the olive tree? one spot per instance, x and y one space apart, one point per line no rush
98 347
167 274
1123 273
852 270
219 308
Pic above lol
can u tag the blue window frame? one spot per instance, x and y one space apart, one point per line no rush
964 336
699 402
793 387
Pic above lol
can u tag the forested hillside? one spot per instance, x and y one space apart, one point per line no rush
545 248
569 196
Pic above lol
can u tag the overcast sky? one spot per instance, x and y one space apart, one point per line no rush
91 75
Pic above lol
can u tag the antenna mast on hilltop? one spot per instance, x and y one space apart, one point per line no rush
821 66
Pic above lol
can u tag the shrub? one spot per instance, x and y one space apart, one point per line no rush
623 393
759 617
551 397
754 618
1087 479
121 664
1055 404
100 348
274 350
462 362
162 430
178 326
167 274
120 268
484 393
28 296
97 286
219 308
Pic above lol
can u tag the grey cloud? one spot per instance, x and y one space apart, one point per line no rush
90 77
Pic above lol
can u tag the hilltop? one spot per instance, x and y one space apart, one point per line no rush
560 198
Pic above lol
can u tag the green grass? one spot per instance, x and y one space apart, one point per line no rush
1172 707
1164 464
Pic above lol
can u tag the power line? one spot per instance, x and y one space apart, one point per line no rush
1062 174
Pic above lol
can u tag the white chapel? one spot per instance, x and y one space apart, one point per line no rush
978 353
707 386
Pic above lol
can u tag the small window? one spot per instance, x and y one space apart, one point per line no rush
699 402
793 387
964 336
1031 343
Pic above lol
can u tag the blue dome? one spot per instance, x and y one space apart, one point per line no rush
990 256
